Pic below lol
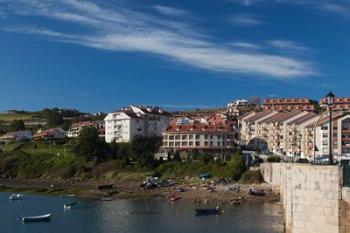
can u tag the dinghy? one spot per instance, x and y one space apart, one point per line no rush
38 218
213 211
71 205
16 196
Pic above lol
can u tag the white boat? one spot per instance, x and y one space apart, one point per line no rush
16 196
38 218
68 196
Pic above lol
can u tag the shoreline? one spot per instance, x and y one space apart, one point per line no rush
196 192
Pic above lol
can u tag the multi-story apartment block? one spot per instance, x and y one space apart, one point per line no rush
273 130
340 135
18 136
298 137
297 133
50 134
198 137
124 125
248 125
291 104
339 103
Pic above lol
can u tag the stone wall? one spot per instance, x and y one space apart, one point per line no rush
311 197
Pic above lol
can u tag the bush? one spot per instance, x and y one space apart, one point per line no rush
252 177
236 166
273 159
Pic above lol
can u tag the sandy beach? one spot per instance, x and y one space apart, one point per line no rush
197 192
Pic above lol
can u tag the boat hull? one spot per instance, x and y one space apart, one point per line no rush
207 211
40 218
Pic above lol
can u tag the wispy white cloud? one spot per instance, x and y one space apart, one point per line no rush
118 28
245 45
286 44
170 11
336 8
245 20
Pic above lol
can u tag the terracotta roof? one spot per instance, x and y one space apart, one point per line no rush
198 128
304 118
258 115
325 119
280 117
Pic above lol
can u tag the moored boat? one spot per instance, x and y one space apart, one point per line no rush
71 205
210 211
38 218
68 196
16 196
106 199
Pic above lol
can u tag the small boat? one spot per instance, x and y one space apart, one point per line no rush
71 205
213 211
16 196
106 199
104 186
68 196
38 218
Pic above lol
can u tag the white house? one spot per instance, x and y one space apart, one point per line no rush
124 125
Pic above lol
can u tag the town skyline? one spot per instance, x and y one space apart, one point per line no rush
92 56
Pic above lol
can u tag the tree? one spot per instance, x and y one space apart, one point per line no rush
54 118
17 125
91 146
236 166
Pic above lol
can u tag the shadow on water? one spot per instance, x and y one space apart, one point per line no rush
134 217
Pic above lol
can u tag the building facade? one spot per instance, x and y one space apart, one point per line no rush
124 125
75 128
289 104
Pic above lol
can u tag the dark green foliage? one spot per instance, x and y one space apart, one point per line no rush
236 166
54 118
252 177
17 125
177 156
273 159
144 148
90 146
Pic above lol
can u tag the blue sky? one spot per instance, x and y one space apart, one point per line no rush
101 55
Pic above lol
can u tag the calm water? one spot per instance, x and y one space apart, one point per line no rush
133 217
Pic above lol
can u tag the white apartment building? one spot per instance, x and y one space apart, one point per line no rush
124 125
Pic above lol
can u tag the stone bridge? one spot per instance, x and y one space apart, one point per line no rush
313 197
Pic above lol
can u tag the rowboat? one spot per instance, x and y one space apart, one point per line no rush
16 196
213 211
38 218
71 205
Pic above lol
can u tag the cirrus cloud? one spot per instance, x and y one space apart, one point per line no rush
119 28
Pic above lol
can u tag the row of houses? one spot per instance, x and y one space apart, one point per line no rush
54 133
296 133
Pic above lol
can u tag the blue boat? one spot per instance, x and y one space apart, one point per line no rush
212 211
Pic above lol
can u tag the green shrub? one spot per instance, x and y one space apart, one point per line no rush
252 177
273 159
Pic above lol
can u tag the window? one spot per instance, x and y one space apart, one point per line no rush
197 136
177 137
190 136
197 144
211 143
190 144
184 144
206 136
171 143
211 136
184 136
205 143
171 137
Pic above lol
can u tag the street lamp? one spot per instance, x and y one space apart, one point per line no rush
330 101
